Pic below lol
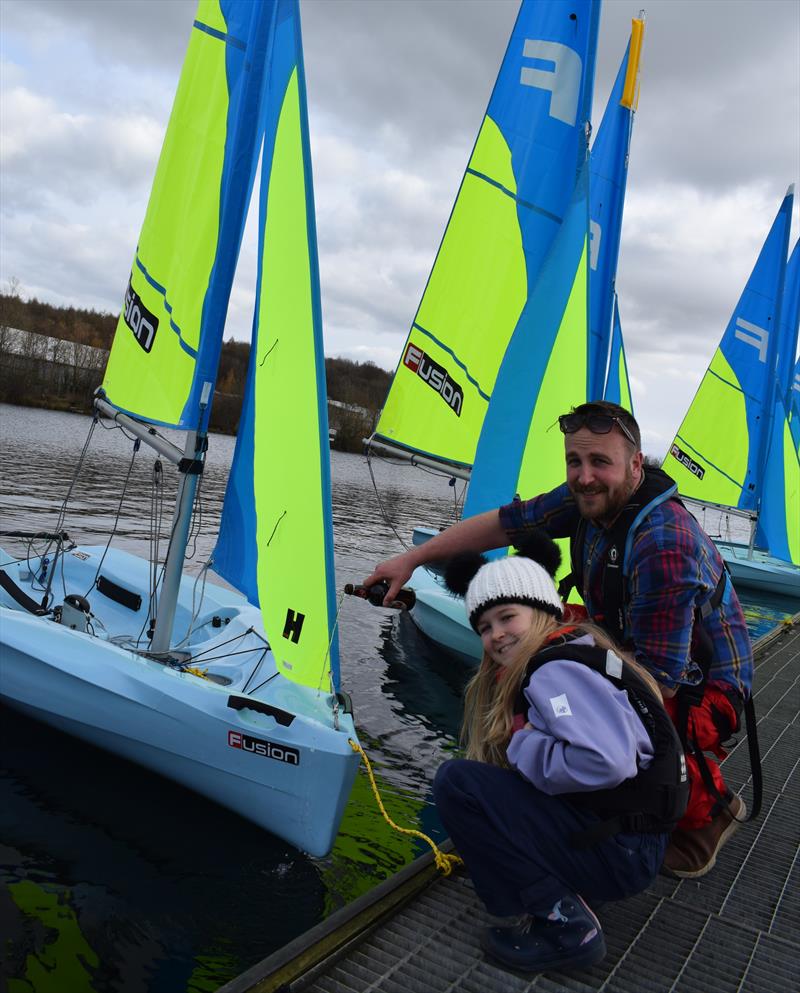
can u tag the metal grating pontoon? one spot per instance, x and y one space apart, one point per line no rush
733 931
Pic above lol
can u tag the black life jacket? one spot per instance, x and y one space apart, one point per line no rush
656 488
653 800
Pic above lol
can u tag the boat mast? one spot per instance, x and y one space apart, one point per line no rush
190 464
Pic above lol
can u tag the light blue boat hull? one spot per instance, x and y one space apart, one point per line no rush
293 780
439 614
761 572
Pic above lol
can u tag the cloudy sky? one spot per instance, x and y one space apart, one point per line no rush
397 90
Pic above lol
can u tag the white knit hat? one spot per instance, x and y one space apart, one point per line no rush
512 579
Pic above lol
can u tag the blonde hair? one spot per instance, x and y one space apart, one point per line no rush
491 694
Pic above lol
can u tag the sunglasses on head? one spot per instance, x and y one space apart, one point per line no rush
596 423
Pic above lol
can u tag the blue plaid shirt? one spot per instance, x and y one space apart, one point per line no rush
674 568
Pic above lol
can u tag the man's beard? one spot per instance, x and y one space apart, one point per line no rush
605 510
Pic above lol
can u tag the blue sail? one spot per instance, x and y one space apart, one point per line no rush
276 536
608 179
556 280
618 387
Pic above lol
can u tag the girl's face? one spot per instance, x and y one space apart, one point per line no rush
501 627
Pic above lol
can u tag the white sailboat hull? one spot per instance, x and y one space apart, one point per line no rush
291 778
760 571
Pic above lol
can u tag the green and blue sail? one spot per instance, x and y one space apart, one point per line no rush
477 335
734 445
275 542
169 334
559 353
243 86
511 203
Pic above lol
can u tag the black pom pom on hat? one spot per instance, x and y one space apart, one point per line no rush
540 547
526 578
461 570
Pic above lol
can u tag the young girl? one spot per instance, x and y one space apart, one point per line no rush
574 774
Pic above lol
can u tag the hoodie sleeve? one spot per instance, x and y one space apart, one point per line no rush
585 735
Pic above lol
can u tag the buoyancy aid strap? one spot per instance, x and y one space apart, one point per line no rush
620 823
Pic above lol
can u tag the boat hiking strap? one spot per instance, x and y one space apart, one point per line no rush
117 593
20 596
692 696
445 862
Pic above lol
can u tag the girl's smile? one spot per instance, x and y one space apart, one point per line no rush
501 627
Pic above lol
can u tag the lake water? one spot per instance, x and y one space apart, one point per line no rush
113 879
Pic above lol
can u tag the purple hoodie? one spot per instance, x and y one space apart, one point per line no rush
585 736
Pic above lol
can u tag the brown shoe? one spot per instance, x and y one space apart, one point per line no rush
691 854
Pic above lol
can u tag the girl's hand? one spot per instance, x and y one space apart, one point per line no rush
527 726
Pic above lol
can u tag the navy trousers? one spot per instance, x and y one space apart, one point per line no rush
515 841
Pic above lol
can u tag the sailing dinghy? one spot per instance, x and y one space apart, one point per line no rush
734 450
233 693
516 320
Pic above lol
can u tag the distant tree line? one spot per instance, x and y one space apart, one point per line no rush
88 327
32 377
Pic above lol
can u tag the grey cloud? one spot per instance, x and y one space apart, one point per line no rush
397 91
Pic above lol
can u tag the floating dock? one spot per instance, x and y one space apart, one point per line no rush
736 930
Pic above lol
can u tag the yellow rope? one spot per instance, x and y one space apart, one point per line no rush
201 673
444 862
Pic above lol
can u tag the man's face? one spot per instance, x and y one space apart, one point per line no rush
602 473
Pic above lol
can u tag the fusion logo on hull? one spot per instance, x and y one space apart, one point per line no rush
139 319
435 376
687 462
267 749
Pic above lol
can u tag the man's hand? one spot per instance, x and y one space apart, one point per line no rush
476 534
396 572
